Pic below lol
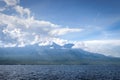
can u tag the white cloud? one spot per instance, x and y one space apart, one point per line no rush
106 47
11 2
62 31
106 42
79 44
60 42
49 41
22 11
10 45
23 29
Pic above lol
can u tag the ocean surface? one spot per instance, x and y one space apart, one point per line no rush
59 72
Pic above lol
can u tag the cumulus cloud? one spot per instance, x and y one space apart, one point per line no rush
21 28
22 11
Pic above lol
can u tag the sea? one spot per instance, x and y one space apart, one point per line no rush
59 72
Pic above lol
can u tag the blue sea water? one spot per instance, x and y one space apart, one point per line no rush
59 72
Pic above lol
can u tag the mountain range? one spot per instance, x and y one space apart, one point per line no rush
52 54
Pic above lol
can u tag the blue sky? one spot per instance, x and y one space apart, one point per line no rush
85 23
98 18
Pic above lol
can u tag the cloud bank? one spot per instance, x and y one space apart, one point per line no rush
106 47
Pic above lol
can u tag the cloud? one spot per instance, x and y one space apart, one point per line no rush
79 44
62 31
2 9
106 42
106 47
11 2
49 41
22 11
21 28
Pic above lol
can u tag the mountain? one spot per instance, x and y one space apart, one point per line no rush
52 54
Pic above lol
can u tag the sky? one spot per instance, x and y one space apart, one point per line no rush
93 25
97 18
